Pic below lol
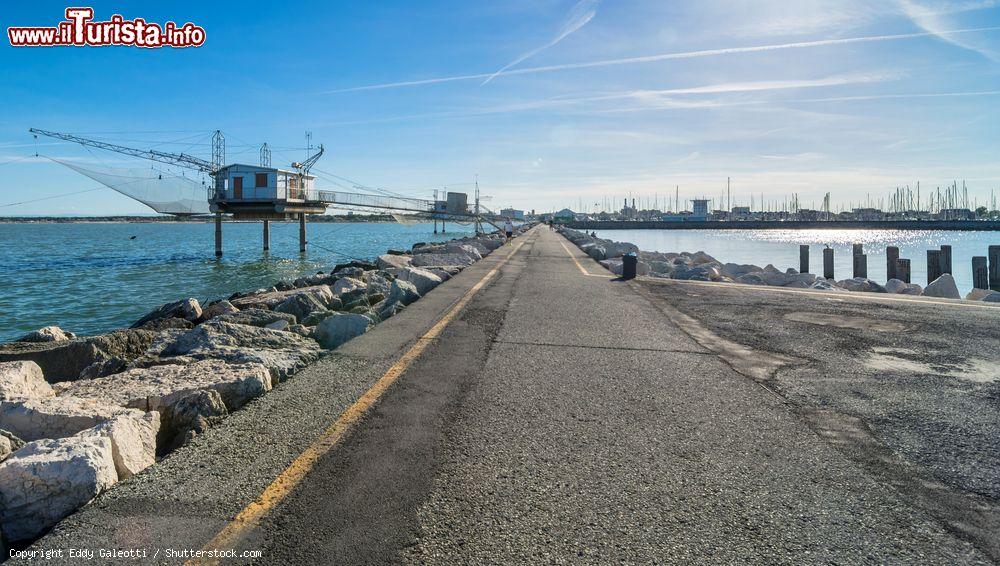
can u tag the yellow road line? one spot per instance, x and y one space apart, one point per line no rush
579 265
300 467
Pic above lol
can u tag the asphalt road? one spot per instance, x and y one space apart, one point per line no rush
567 417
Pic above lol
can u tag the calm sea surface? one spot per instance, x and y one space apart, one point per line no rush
781 248
90 278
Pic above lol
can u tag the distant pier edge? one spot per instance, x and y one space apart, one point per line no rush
954 225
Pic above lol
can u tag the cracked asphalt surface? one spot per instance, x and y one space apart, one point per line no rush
570 418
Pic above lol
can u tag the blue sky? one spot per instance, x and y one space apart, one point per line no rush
551 103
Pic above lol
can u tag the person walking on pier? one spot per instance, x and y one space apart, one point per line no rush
508 228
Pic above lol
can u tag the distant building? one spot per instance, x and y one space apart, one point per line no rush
956 214
700 208
565 215
512 213
806 214
868 214
740 212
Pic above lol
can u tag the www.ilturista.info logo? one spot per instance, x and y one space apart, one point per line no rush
79 29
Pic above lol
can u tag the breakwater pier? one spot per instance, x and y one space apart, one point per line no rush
534 405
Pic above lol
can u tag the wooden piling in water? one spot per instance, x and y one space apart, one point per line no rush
945 259
903 270
267 235
933 265
218 234
302 233
828 263
861 266
891 257
804 258
994 255
980 273
858 249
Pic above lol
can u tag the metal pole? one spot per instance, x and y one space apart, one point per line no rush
218 234
302 233
267 235
891 257
828 263
804 258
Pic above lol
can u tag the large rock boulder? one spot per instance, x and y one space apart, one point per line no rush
300 306
156 387
734 270
215 309
65 360
427 260
376 283
861 285
943 287
269 299
216 335
402 292
335 330
56 417
133 440
187 309
22 380
422 279
347 285
900 287
255 317
46 480
389 261
47 334
161 388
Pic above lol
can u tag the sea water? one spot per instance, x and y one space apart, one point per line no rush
781 248
93 277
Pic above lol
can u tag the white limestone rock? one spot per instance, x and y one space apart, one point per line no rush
389 261
215 335
22 380
300 306
269 299
133 440
219 308
943 287
341 327
377 283
899 287
438 259
402 293
47 334
46 480
422 279
158 387
861 284
346 285
56 417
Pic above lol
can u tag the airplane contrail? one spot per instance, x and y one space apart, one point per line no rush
666 57
580 15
